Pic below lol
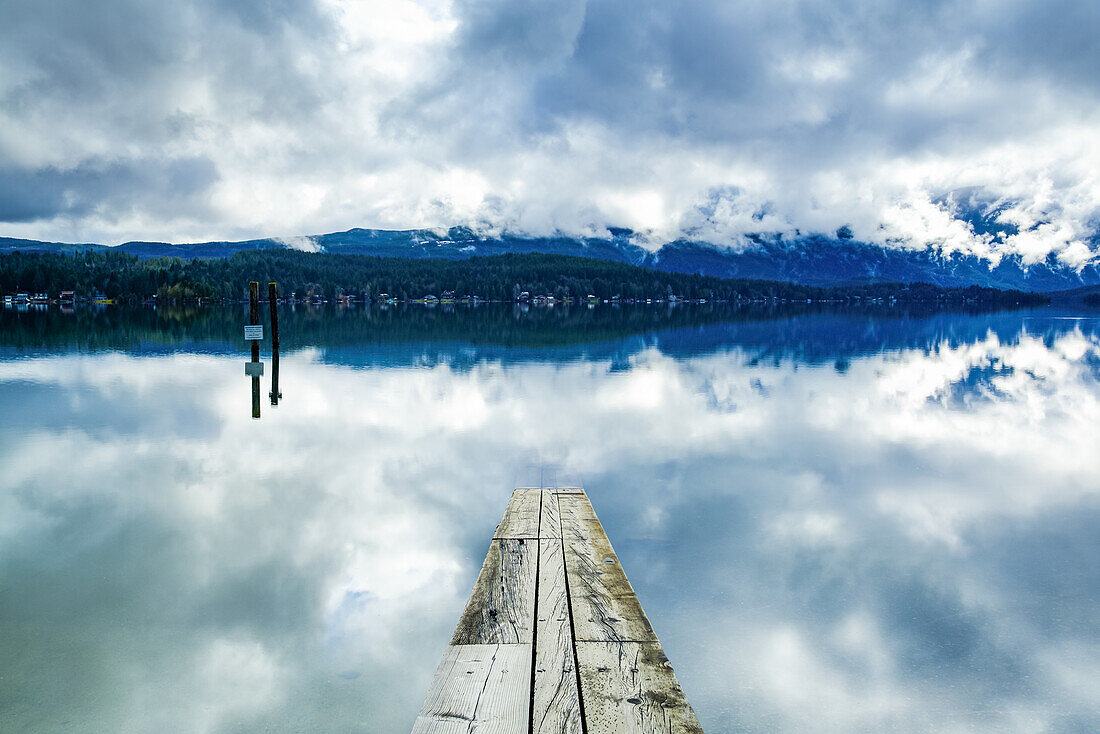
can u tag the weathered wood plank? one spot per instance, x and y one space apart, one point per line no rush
630 688
482 688
605 607
521 517
556 706
577 509
501 608
550 526
553 602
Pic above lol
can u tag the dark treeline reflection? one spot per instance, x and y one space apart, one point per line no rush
811 333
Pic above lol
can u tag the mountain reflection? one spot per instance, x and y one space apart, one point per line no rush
836 521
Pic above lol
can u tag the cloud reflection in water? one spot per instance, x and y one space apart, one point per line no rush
848 540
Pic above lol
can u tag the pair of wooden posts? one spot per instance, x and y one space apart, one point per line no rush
254 320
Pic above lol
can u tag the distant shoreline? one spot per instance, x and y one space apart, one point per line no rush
516 278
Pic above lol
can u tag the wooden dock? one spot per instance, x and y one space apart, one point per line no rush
553 638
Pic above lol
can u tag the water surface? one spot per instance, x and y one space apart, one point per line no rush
836 520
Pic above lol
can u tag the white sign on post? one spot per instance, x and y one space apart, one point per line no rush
254 332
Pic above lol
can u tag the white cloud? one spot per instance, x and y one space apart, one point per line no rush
305 244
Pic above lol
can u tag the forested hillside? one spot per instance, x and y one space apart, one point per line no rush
501 278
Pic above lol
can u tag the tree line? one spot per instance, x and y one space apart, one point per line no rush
126 277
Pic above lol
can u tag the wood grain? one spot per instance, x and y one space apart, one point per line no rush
479 688
630 688
605 607
550 526
521 517
501 608
556 708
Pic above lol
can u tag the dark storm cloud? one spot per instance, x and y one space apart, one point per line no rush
714 119
132 59
49 192
721 66
93 92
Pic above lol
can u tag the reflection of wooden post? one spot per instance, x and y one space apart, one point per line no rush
272 296
275 394
255 397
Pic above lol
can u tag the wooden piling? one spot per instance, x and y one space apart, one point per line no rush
254 314
273 302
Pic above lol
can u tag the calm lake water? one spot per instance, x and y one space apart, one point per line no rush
837 521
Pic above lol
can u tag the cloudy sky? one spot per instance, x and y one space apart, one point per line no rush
198 119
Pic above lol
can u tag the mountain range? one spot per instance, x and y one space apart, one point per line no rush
813 260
